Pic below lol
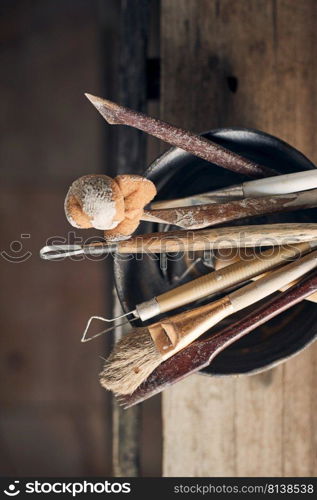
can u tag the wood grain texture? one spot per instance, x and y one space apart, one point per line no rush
200 353
242 63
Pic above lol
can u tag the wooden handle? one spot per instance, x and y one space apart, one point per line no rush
247 295
217 281
224 237
192 143
219 196
201 216
173 334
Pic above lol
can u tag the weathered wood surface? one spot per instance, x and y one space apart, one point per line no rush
245 63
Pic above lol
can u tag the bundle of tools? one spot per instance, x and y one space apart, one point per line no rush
145 360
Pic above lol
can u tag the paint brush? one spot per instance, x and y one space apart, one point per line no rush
188 241
271 186
115 114
203 351
141 351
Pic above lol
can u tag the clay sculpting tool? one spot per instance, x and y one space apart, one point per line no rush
115 114
200 216
207 285
113 205
117 206
271 186
247 255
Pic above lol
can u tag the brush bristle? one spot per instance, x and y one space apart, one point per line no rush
130 363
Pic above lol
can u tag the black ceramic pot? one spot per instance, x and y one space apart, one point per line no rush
176 174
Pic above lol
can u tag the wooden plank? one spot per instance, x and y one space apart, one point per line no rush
248 63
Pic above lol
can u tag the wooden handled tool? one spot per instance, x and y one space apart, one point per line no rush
116 206
115 114
224 237
141 351
207 285
202 216
201 353
246 256
271 186
170 336
185 241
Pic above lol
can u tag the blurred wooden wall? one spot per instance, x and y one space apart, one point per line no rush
55 419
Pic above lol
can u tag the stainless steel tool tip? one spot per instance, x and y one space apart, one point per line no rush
58 252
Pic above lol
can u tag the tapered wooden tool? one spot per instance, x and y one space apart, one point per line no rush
206 285
185 241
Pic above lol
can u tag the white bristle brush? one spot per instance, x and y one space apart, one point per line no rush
142 350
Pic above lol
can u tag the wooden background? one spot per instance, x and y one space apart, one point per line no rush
249 63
